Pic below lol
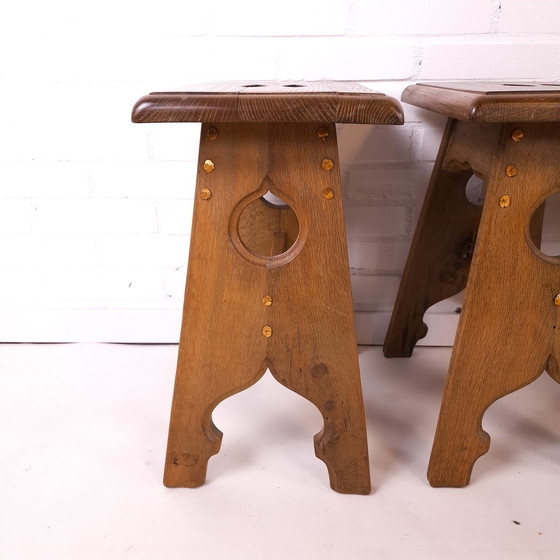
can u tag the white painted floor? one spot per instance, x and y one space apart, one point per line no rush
83 430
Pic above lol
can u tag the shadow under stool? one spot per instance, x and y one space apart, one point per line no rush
509 136
268 282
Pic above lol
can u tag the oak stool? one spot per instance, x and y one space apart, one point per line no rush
509 136
268 281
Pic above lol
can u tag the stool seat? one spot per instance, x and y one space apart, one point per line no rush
251 102
268 284
508 135
488 102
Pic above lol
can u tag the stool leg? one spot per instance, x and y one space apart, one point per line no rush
313 346
222 349
508 329
440 254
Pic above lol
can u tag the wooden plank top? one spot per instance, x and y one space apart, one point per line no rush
341 102
488 101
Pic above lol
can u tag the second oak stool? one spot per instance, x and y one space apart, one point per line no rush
509 329
268 282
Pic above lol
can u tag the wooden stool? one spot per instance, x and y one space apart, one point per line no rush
268 281
508 135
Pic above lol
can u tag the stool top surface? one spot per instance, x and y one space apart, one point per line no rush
341 102
488 101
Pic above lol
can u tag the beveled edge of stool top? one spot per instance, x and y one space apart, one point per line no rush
288 102
490 102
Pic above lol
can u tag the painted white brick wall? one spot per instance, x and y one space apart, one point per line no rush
95 211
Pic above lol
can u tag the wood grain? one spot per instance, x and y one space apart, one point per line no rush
341 102
268 137
488 102
312 347
509 328
440 255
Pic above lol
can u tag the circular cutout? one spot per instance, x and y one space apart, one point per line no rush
544 230
475 190
266 230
